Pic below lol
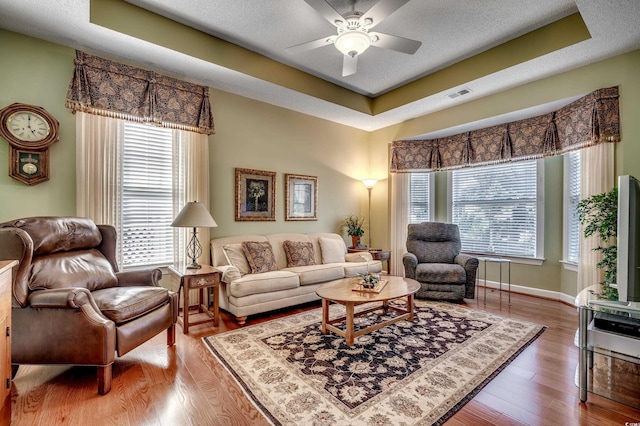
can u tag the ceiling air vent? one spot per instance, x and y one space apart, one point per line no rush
459 93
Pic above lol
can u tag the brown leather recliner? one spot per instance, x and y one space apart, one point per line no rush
71 305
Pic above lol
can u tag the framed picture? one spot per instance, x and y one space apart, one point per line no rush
255 195
301 197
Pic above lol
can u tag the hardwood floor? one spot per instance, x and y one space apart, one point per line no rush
184 385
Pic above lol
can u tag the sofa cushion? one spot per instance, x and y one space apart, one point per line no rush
314 274
263 283
81 268
299 253
235 256
123 304
449 273
333 250
260 256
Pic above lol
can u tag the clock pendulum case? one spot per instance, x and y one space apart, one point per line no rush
30 131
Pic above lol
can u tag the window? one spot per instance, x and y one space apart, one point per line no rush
499 208
420 197
147 195
572 173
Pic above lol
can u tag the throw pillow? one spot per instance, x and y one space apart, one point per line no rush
235 256
299 253
260 256
333 250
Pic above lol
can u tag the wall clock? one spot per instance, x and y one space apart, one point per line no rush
30 131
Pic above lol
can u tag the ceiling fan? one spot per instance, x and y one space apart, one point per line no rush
354 35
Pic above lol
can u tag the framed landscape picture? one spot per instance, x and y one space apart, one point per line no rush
301 197
255 195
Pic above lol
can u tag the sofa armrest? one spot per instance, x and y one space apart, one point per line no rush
361 256
410 262
149 277
229 273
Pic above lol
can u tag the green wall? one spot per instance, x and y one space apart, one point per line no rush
252 134
619 71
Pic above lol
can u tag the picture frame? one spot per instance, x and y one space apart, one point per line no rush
301 197
255 195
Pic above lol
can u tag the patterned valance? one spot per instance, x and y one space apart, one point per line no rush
104 87
592 119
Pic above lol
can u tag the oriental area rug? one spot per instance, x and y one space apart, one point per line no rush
408 373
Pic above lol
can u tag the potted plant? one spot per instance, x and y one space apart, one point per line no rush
599 216
354 225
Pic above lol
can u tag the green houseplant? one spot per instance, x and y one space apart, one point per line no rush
599 216
354 225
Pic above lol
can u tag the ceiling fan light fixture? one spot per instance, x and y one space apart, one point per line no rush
353 43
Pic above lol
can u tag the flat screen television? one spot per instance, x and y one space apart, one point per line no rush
628 241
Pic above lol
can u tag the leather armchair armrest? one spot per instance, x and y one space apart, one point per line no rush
69 298
470 265
149 277
410 262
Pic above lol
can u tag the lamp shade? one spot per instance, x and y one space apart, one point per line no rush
369 183
194 215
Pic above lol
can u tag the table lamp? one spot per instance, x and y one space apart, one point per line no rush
194 215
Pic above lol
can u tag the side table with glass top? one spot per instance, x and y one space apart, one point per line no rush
609 361
500 261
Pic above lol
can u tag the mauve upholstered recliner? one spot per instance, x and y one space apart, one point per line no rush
434 260
71 305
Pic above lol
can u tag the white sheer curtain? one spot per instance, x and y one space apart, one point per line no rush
597 165
99 151
191 183
98 164
399 220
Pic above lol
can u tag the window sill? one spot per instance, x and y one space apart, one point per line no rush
569 265
514 259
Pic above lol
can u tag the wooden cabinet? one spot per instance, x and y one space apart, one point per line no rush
5 339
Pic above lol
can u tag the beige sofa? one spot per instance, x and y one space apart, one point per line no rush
244 293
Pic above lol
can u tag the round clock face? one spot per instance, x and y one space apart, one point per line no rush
28 126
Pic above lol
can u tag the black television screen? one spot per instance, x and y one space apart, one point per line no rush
628 239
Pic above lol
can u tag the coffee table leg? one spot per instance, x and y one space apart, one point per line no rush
349 332
410 307
325 315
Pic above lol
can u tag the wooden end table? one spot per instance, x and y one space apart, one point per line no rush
341 292
198 279
381 255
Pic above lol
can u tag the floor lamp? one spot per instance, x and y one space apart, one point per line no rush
194 215
369 184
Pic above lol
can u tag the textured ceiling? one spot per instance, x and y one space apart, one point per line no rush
450 31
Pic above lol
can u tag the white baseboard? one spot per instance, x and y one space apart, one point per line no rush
538 292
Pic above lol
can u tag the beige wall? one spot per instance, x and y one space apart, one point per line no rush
257 135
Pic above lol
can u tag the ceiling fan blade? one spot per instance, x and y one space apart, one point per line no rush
399 44
349 65
381 10
326 10
299 48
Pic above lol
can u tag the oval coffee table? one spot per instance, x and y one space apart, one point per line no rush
342 292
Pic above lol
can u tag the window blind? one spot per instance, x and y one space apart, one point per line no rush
572 199
419 198
147 204
495 208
